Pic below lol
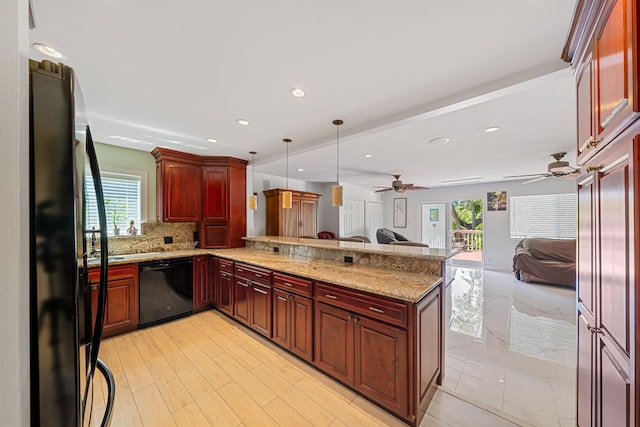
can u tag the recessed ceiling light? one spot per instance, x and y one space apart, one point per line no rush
368 155
211 140
48 50
492 129
243 122
300 170
297 92
440 141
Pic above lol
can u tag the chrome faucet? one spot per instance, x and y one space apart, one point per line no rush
93 252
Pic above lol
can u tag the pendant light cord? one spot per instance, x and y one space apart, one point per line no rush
337 155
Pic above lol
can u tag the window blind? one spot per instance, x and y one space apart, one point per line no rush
548 216
122 200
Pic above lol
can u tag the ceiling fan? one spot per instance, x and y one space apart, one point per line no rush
557 169
399 187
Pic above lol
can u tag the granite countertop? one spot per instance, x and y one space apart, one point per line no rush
391 283
372 248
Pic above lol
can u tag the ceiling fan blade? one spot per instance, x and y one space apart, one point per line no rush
525 176
384 189
540 178
417 187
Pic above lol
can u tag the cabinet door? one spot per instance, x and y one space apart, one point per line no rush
215 197
585 105
615 406
308 219
181 192
615 66
334 352
585 388
202 283
291 218
282 318
381 363
586 251
241 295
225 292
121 308
302 326
260 307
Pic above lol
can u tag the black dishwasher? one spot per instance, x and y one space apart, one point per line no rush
166 290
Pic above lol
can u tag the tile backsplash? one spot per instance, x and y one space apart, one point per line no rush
152 238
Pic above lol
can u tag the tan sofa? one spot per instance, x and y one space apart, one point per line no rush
551 261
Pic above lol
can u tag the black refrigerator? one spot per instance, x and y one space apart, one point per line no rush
64 347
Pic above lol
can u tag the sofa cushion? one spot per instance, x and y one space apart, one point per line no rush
551 249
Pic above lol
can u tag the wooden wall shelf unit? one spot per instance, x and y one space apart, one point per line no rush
603 48
208 190
299 221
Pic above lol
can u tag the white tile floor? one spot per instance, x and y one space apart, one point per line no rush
511 346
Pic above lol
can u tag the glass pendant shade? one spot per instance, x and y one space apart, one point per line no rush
253 201
336 195
287 199
336 190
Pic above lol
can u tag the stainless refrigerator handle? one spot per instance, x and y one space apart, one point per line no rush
102 295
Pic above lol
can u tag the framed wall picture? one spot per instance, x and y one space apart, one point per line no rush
497 201
434 214
400 213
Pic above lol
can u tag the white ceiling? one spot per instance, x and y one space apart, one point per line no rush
399 73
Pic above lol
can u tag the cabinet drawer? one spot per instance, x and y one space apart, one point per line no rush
225 265
115 272
293 284
377 308
254 273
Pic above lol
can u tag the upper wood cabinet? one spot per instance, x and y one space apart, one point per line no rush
175 173
603 45
301 220
208 190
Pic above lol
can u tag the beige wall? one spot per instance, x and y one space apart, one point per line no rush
116 159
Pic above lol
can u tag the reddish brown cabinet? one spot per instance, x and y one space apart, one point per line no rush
354 344
203 283
252 297
604 37
121 309
224 285
293 314
178 178
208 190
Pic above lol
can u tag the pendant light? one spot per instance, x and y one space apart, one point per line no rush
253 199
287 196
336 190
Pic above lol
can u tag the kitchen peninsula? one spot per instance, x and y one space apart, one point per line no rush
368 315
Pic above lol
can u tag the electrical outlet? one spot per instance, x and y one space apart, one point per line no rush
276 249
348 259
168 240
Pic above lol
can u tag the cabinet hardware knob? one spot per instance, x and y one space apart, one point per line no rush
260 291
331 296
594 330
377 310
288 284
258 275
593 168
591 142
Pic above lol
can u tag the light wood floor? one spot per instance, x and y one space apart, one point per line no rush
207 370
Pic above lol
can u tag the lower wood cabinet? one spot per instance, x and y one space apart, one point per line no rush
224 286
293 314
252 297
121 310
203 280
365 353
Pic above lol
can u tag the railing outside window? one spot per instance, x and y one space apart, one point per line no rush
467 240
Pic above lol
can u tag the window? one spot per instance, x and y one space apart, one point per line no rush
122 195
550 215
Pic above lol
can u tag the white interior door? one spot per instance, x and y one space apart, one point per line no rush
352 218
434 225
373 219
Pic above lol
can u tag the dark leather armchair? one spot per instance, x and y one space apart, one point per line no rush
386 236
